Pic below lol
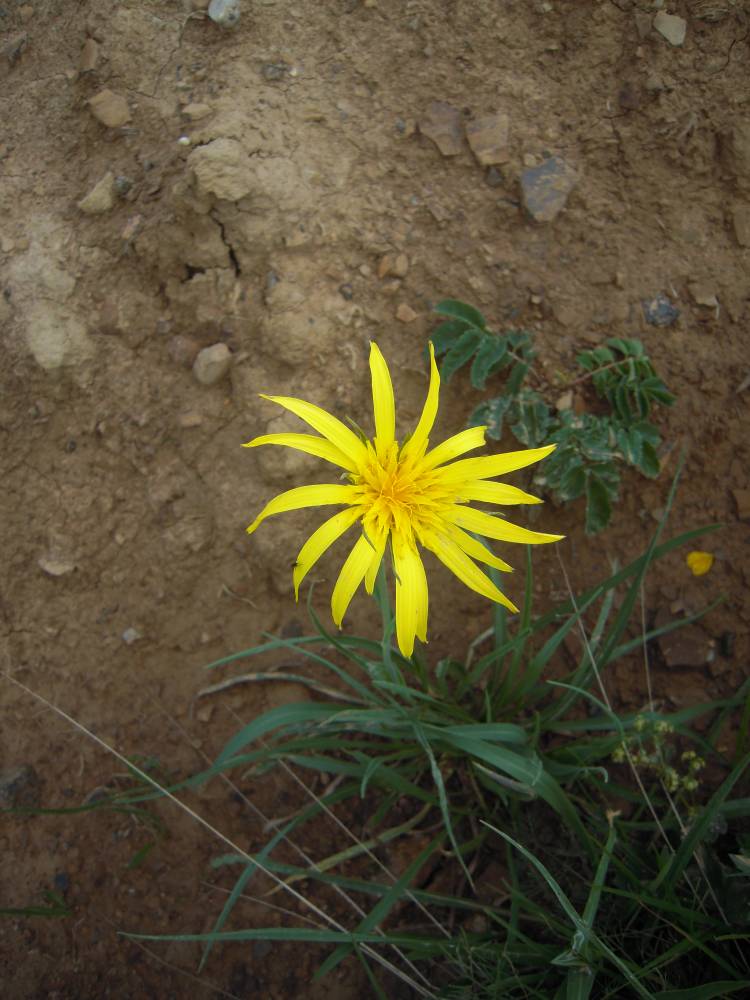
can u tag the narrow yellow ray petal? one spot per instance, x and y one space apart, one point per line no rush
472 437
350 577
458 562
496 465
411 596
417 443
475 549
304 496
495 527
320 540
308 443
498 493
326 424
378 537
383 403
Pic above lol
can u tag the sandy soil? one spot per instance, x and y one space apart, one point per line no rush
242 187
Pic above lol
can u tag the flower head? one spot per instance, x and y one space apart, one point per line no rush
406 495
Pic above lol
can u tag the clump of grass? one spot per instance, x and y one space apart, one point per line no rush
619 874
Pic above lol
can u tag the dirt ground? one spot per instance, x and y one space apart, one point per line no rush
241 187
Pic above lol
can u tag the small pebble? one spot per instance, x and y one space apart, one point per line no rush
659 311
346 292
131 635
401 266
89 56
212 364
671 27
545 188
100 198
122 185
405 314
225 13
54 565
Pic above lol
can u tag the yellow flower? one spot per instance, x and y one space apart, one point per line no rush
405 494
699 562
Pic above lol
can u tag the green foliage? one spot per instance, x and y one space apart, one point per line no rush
591 448
615 880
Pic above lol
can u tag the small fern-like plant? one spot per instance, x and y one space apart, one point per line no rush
592 448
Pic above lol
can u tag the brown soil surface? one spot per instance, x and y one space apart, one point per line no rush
252 181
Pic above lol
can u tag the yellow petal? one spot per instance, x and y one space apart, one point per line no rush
350 577
496 465
377 538
458 562
383 403
320 540
472 437
497 493
308 443
324 423
411 596
417 443
304 496
495 527
700 562
474 548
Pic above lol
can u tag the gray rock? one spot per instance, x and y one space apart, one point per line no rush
19 786
131 635
123 185
225 13
659 311
212 364
443 124
545 188
671 27
101 197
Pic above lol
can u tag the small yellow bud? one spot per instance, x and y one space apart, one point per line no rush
699 562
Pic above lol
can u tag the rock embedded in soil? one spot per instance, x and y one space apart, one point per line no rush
659 311
195 111
225 13
688 646
443 125
101 197
488 138
19 786
55 565
222 169
405 313
703 294
545 189
110 109
183 350
212 364
89 57
671 27
401 266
